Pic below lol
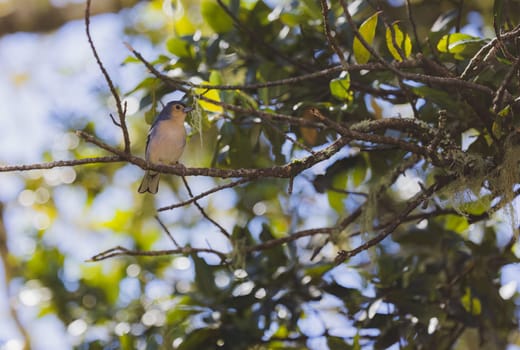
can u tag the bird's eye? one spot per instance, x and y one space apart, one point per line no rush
177 107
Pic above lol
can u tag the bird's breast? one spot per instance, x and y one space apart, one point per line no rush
167 141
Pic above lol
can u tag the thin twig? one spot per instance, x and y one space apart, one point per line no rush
498 100
203 212
289 238
167 232
459 16
113 90
332 41
414 27
116 123
204 194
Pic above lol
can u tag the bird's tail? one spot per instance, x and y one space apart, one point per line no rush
150 182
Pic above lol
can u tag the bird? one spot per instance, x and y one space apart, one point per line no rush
165 143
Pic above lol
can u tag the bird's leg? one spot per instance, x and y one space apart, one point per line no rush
181 166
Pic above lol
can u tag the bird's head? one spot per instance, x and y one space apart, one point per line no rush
176 110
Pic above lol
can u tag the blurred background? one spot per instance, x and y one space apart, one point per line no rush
54 220
49 87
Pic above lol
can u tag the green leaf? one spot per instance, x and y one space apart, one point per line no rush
505 111
477 207
204 278
211 94
149 115
335 198
183 310
356 345
340 87
402 40
127 342
264 95
367 31
179 47
336 201
460 45
455 223
451 43
215 16
246 99
498 7
199 339
215 78
437 96
277 141
359 171
184 27
131 59
470 303
389 334
337 343
147 84
290 19
103 279
317 272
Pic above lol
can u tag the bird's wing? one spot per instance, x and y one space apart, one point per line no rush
162 116
152 131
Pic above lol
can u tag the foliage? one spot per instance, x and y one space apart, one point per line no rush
362 221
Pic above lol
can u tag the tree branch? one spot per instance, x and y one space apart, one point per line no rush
122 251
60 163
393 224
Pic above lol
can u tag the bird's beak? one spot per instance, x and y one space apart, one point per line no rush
187 109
